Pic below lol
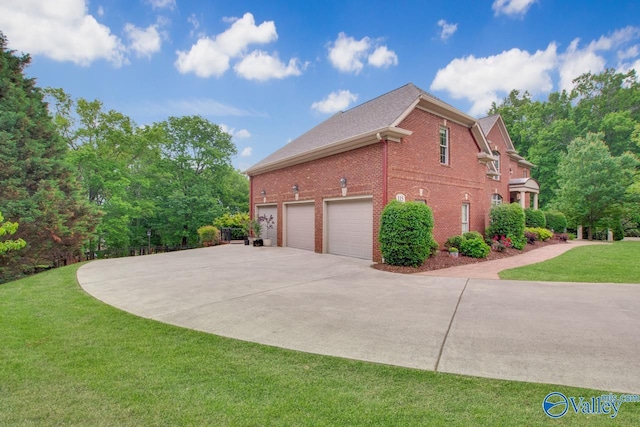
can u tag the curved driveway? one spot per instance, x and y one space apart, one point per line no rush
585 335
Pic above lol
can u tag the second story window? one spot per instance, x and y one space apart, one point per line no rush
496 163
444 146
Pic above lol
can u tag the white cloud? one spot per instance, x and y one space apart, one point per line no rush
512 7
242 133
211 56
100 11
261 66
488 79
575 61
334 102
195 24
348 54
447 30
162 4
629 53
246 152
61 30
144 42
482 79
383 57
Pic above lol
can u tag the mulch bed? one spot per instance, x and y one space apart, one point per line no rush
443 260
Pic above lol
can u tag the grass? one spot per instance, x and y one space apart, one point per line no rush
68 359
615 263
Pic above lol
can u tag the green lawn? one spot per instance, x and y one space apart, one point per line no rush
68 359
615 263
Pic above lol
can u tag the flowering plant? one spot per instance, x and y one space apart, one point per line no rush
500 243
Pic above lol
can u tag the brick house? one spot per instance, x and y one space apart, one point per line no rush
327 188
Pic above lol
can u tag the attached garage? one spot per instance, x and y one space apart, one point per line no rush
349 227
300 225
268 211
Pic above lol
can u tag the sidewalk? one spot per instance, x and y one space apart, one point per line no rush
490 269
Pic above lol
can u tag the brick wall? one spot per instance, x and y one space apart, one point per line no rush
413 169
320 179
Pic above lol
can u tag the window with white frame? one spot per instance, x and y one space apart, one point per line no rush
465 217
444 146
496 199
496 163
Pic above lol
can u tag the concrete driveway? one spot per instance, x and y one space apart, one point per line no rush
585 335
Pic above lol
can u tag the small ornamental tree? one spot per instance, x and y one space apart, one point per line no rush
556 221
406 233
9 228
507 220
534 218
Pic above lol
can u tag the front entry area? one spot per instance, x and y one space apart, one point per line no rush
349 227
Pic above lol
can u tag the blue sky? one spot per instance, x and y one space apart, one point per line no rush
267 71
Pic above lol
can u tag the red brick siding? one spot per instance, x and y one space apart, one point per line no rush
413 165
320 179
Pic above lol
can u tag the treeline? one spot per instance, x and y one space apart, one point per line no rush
585 145
77 178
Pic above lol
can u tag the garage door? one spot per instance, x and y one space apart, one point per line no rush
300 227
350 228
272 233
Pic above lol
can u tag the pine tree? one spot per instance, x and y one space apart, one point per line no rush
38 187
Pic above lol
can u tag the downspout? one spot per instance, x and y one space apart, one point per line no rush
250 197
384 169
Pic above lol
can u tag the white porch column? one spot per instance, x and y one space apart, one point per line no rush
535 201
522 199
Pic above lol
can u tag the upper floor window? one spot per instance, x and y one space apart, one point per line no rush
496 199
444 146
496 163
525 173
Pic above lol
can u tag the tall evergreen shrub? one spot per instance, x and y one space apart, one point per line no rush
406 233
507 220
534 218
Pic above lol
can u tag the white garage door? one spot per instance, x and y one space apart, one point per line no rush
350 228
269 211
300 226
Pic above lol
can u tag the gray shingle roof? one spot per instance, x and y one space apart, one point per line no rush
375 114
486 123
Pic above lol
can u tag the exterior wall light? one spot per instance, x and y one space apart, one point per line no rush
343 184
264 196
295 191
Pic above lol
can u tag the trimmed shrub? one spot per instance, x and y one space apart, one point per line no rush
453 242
209 235
507 220
556 221
406 233
534 218
541 234
618 231
472 235
475 248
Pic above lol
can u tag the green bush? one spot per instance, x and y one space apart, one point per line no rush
542 234
453 242
556 221
209 235
507 220
238 222
475 248
618 231
406 233
472 235
534 218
